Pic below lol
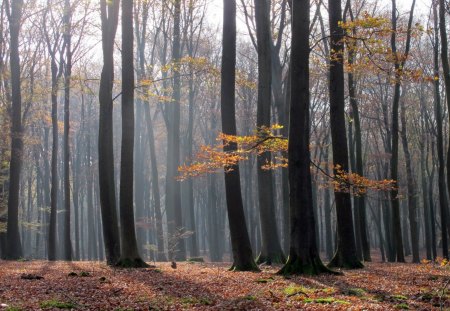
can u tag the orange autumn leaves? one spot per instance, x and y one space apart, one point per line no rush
213 159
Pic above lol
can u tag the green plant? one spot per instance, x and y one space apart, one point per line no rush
53 303
402 306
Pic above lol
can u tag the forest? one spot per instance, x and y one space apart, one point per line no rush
224 155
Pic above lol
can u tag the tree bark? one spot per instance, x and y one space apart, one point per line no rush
303 254
240 242
271 248
109 15
446 72
345 255
129 250
13 242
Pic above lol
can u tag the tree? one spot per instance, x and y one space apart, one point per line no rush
14 245
109 18
303 254
67 76
240 242
129 251
271 248
345 255
173 187
399 64
360 201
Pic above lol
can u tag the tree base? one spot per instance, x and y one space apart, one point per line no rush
251 267
309 266
339 261
131 263
270 259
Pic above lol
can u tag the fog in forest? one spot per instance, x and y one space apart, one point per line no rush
148 131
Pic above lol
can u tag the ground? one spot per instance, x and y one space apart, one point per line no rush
204 286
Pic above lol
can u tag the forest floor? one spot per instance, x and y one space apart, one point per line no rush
37 285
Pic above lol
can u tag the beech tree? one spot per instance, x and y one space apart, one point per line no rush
240 242
13 241
109 19
345 255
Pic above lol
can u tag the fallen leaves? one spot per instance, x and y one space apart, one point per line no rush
207 286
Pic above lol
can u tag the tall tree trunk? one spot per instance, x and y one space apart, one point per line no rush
177 248
303 254
345 255
271 248
129 250
446 72
13 242
240 242
109 14
411 185
67 76
398 65
360 201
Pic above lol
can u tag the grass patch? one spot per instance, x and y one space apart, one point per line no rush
399 297
326 300
196 301
53 303
292 290
249 297
402 306
84 274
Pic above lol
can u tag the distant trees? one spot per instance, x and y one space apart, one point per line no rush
352 105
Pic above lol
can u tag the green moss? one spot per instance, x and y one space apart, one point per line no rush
249 297
11 308
250 266
196 301
326 300
84 274
131 263
53 303
399 297
292 290
264 280
402 306
313 266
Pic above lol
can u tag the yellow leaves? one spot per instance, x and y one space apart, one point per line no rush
213 159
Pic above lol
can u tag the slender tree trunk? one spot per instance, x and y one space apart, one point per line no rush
345 255
411 185
303 254
240 242
109 13
13 242
271 248
67 76
177 247
129 250
446 73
